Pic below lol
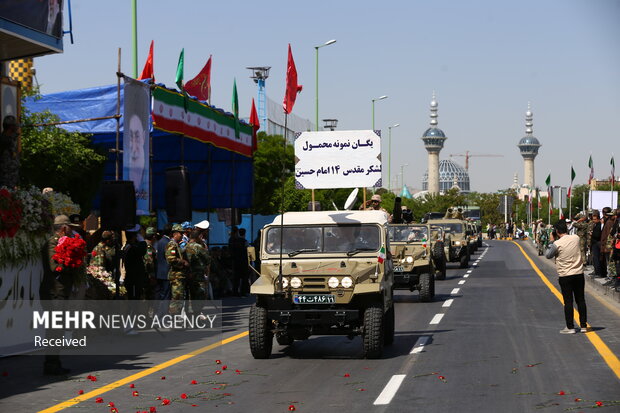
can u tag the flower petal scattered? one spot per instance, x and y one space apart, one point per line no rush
131 386
599 404
194 382
135 393
184 395
99 400
80 391
291 408
165 402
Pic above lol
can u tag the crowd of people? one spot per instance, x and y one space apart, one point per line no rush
599 242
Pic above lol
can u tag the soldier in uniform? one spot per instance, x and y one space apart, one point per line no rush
103 254
199 262
373 204
150 259
581 228
177 269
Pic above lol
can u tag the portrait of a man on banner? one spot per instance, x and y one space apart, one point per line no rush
136 141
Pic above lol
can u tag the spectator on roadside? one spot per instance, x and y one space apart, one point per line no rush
569 263
595 233
133 261
162 290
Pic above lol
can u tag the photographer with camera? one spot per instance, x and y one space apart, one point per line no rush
569 263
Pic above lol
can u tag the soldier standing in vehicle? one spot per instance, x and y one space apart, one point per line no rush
199 262
178 267
374 204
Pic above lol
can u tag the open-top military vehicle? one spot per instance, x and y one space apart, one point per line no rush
456 239
414 267
331 277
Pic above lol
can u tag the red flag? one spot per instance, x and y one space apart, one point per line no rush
255 126
292 88
147 72
200 86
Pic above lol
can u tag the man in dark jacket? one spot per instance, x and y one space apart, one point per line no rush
133 261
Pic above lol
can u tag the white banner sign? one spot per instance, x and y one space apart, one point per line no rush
338 159
602 199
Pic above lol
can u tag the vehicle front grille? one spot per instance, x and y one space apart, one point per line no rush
313 283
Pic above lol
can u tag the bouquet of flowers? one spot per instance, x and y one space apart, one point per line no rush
102 279
61 204
10 214
70 252
36 212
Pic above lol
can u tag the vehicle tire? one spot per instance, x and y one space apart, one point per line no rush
427 287
440 267
261 336
390 325
437 251
480 242
373 332
284 339
464 260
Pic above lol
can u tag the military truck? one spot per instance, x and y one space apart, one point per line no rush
456 239
331 276
414 267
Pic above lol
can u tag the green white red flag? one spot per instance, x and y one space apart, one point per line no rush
591 166
381 256
572 178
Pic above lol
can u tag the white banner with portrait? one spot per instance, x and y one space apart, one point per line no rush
338 159
136 147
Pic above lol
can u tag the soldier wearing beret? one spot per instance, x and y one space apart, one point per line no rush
177 269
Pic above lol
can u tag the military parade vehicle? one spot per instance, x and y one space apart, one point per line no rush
324 273
414 268
456 239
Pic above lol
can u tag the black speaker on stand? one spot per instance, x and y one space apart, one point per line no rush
118 205
178 194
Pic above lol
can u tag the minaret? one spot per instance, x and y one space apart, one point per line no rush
433 142
528 145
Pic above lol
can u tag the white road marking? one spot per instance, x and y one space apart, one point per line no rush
436 319
462 282
466 275
455 291
448 302
419 345
469 271
390 390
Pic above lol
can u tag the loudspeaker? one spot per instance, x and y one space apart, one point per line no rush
178 194
118 205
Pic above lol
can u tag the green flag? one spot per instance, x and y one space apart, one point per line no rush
235 108
548 180
572 174
179 78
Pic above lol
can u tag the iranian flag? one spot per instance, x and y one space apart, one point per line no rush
591 166
381 256
572 178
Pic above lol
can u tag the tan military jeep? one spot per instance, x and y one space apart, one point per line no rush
456 239
331 277
414 269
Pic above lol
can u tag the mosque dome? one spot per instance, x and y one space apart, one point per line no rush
433 133
449 173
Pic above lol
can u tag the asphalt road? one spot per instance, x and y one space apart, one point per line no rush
489 342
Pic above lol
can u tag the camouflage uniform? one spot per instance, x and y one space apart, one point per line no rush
103 256
150 266
581 229
176 275
199 262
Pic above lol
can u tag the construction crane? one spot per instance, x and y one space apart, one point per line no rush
467 155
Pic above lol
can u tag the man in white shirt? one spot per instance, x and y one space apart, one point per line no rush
569 262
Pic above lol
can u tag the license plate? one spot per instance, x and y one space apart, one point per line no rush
314 299
399 268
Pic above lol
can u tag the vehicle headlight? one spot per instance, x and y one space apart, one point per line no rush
284 282
409 260
347 282
457 243
295 282
333 282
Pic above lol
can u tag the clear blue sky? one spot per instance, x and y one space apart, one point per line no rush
485 59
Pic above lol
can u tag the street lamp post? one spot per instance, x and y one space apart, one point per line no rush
390 155
316 48
402 176
373 109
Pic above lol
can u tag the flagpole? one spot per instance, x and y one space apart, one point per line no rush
570 198
134 36
282 203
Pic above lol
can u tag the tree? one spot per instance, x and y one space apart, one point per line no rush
53 157
273 165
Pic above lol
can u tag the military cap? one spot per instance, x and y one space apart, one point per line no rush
150 231
177 228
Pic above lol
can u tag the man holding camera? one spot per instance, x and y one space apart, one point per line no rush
569 262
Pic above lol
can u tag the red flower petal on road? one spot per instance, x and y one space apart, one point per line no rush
91 378
361 389
135 393
194 405
163 377
227 394
80 391
184 396
131 386
99 400
113 410
441 378
291 408
599 404
577 399
152 409
347 375
238 371
561 393
218 362
158 398
165 402
224 367
218 372
111 404
194 382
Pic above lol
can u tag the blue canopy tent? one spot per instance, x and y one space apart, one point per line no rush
219 177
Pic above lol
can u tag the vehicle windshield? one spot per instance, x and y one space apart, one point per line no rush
452 228
298 240
410 233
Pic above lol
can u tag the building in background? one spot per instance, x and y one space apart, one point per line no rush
451 175
528 146
434 139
